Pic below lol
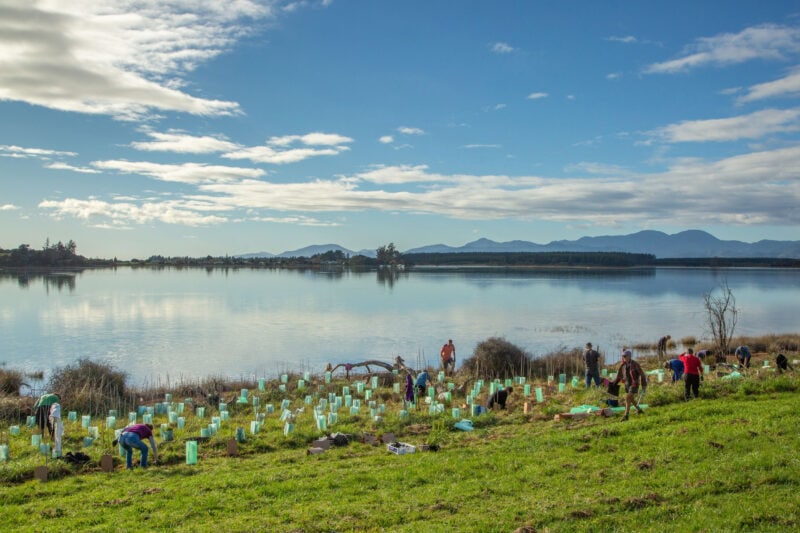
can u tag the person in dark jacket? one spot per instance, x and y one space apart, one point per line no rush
500 397
783 363
632 374
592 361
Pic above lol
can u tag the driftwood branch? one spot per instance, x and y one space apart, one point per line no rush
399 364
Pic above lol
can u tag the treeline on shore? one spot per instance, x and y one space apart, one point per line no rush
62 255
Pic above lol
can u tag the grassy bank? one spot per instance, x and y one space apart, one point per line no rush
726 462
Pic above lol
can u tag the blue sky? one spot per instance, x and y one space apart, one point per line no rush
195 127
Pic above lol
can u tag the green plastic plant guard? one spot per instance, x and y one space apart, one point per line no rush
287 428
132 417
327 377
333 418
3 452
284 378
191 452
111 421
354 410
345 391
72 416
36 440
86 421
456 412
367 394
240 435
396 388
88 442
301 384
440 376
561 387
14 430
374 382
282 387
539 395
94 432
200 412
262 384
562 378
526 390
575 382
168 435
431 392
181 422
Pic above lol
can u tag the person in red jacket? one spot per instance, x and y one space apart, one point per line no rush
632 374
448 354
692 370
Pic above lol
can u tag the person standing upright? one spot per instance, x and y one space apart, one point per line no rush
692 370
592 360
448 355
661 347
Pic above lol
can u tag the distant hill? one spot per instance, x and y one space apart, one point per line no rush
686 244
308 251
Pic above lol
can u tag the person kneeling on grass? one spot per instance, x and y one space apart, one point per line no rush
499 398
131 437
632 374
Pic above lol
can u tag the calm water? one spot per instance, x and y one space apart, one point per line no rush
190 323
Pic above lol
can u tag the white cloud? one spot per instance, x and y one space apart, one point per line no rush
38 153
501 48
477 146
537 96
8 207
628 39
613 76
498 107
752 126
752 188
124 58
189 173
386 139
108 214
786 86
766 41
64 166
183 143
278 151
405 130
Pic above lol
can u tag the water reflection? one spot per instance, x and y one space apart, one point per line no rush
50 280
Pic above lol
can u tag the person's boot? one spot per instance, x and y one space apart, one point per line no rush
639 410
624 418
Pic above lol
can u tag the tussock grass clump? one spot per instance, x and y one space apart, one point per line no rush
10 381
90 387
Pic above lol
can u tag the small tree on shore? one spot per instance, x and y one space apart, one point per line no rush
722 315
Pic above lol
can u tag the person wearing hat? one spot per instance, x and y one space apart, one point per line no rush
632 374
592 360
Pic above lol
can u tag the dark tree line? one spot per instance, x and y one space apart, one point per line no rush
51 255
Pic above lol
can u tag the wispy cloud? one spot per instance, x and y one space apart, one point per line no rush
628 39
124 58
479 146
8 207
72 168
501 48
279 150
189 173
788 86
751 126
37 153
177 141
537 96
766 41
406 130
386 139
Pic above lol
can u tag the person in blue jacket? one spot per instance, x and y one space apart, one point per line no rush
676 365
743 355
422 382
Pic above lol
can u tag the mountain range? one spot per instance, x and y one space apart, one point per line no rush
686 244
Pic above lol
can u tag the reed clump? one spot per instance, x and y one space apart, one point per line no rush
90 387
10 381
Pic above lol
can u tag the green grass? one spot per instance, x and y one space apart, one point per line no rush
726 462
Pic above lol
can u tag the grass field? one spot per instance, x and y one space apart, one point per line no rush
725 462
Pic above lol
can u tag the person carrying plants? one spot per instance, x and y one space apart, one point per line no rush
693 369
632 374
592 360
743 355
448 355
131 437
782 362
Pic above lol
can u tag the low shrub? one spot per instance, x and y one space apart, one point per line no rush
10 381
497 358
91 387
